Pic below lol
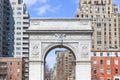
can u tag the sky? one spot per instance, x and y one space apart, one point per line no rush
53 8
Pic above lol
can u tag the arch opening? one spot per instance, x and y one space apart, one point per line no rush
59 63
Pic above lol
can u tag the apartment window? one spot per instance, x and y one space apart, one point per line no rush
94 53
18 48
101 70
18 70
108 61
10 63
98 24
10 76
116 54
11 70
13 3
18 28
82 15
18 18
104 33
18 43
18 38
108 54
108 70
116 71
115 42
18 53
101 61
18 23
18 63
101 54
19 13
109 24
104 24
95 71
116 61
18 33
19 8
94 61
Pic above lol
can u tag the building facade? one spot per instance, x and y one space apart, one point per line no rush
6 29
104 15
11 68
105 65
105 19
21 24
65 69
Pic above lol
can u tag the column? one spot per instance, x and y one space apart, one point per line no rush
83 70
36 70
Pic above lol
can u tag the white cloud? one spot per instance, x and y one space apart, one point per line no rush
30 3
47 8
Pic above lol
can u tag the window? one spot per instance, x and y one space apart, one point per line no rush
116 71
18 23
104 24
94 61
116 61
13 3
116 54
17 53
18 28
108 79
10 63
94 54
18 38
19 13
18 70
94 71
108 54
101 70
18 48
10 76
18 43
108 70
101 54
101 61
18 63
18 33
108 61
117 79
19 8
19 18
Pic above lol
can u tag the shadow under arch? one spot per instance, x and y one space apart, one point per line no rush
58 46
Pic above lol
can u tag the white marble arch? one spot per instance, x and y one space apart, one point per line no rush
71 33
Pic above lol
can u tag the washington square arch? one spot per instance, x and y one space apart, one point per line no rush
71 33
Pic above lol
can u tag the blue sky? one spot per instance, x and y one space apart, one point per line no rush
54 8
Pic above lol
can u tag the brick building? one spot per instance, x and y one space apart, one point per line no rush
105 65
11 68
